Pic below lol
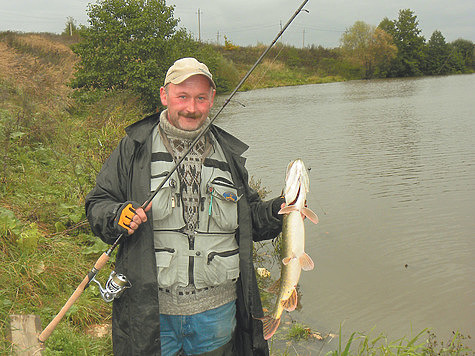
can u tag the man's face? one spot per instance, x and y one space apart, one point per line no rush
189 102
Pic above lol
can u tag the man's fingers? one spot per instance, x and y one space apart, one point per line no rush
130 218
134 225
140 216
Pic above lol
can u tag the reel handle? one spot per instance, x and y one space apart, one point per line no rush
45 334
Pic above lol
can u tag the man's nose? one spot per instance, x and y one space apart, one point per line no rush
191 105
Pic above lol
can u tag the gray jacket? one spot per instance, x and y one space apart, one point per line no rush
126 176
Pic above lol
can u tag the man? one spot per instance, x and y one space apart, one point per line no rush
189 255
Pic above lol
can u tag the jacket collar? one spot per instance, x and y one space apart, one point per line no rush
140 130
233 144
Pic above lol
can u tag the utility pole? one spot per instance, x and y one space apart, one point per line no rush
199 25
217 38
303 39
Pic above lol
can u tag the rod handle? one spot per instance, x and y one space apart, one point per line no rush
45 334
101 262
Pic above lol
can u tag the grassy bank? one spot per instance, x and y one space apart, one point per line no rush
53 145
286 66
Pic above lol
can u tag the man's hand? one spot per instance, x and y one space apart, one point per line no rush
130 216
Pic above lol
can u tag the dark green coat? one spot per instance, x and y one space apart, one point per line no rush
126 176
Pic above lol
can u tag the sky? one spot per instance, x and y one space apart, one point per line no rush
251 22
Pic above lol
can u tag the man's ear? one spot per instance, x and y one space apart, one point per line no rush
163 96
212 96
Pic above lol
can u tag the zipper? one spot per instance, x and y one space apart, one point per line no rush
165 249
223 182
211 255
160 175
211 190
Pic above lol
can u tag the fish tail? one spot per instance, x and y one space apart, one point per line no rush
270 326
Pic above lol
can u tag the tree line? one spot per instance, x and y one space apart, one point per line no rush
396 48
129 44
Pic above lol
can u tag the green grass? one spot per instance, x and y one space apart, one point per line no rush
424 342
299 332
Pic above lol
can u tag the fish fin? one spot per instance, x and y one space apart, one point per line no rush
287 209
306 262
310 215
286 260
270 326
291 303
274 288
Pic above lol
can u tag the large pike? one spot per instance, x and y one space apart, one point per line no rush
294 258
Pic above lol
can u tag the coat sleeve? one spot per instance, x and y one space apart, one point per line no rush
265 223
109 192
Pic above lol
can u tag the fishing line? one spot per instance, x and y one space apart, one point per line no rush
207 128
104 258
267 69
318 202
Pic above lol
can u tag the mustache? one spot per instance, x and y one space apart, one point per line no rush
190 115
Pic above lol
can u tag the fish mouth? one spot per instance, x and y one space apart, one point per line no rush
293 202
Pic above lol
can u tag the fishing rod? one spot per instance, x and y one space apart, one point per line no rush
117 283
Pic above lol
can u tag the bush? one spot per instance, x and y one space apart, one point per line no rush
129 45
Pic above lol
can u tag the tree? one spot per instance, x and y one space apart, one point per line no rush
129 44
438 52
367 46
383 49
409 42
466 50
387 26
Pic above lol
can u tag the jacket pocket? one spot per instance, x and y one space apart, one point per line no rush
220 209
217 268
167 269
166 199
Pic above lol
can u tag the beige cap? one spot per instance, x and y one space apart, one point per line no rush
184 68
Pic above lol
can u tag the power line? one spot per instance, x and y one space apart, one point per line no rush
318 29
23 15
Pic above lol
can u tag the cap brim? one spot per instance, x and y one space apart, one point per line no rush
182 78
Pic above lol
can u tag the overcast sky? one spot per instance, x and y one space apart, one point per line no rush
248 22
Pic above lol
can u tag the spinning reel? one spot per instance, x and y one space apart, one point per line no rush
114 287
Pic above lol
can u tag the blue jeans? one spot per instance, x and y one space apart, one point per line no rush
198 333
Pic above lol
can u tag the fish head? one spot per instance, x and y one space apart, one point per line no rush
296 184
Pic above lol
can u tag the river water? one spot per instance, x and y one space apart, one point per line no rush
393 181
